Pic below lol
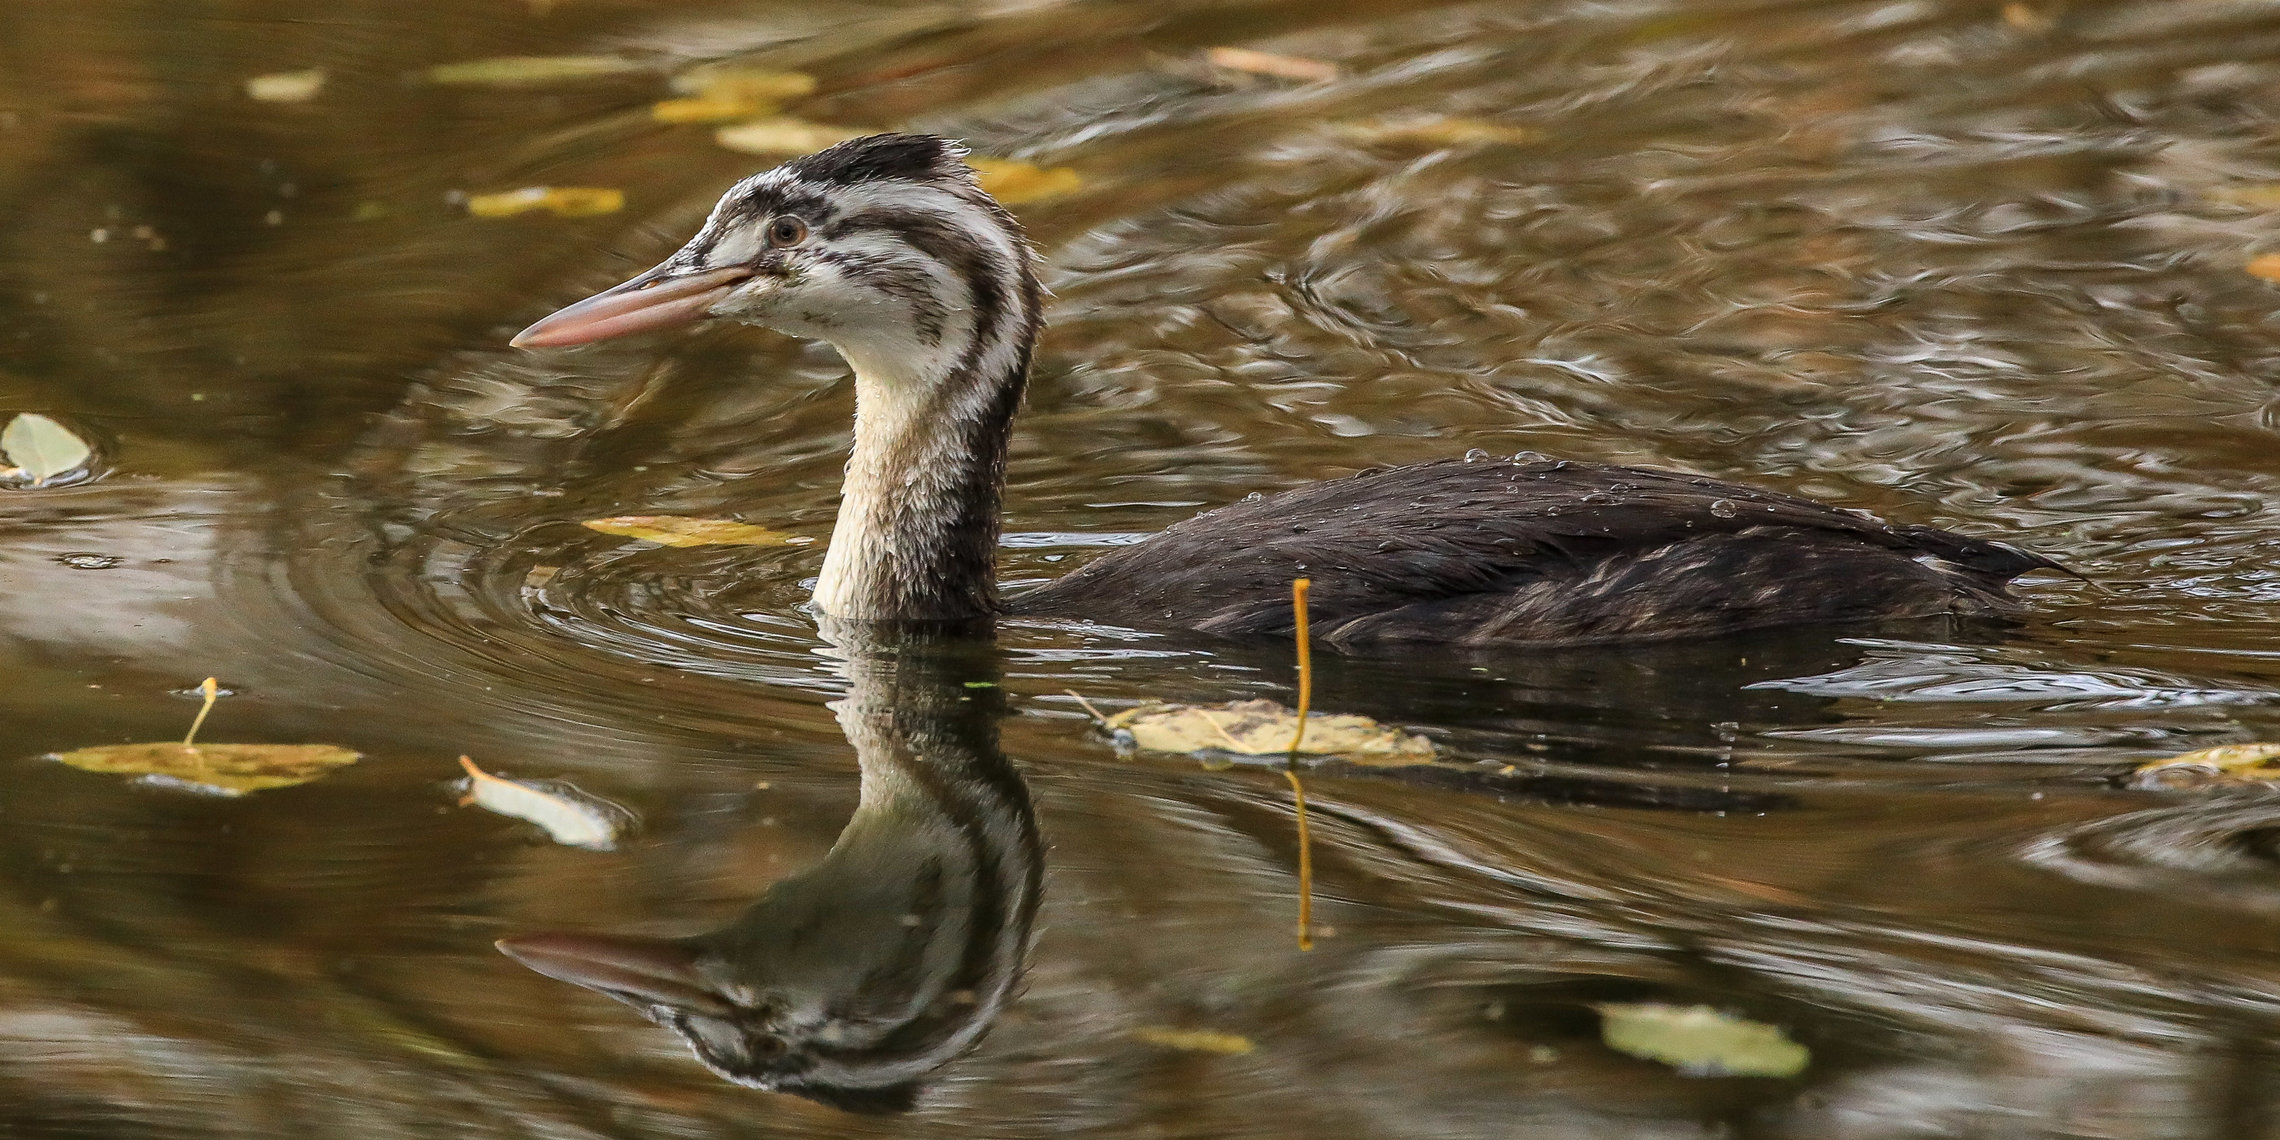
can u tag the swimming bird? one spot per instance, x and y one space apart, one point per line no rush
887 248
853 981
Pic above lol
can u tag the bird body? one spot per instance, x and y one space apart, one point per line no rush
887 248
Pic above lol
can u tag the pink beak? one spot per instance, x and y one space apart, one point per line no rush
655 300
639 970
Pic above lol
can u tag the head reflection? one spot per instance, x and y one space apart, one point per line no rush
852 981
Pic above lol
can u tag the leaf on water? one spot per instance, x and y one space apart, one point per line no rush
2227 764
718 94
286 86
673 530
2257 195
1195 1040
570 817
518 70
1267 63
784 135
1438 132
1015 182
2266 266
221 769
1701 1041
562 201
1262 728
40 449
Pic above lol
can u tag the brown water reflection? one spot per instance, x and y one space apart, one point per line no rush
1970 265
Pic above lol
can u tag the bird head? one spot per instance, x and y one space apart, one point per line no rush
885 246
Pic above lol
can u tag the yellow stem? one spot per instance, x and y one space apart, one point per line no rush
213 692
1298 588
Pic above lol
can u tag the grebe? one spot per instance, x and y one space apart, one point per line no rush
888 249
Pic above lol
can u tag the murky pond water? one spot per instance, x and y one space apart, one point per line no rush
1983 266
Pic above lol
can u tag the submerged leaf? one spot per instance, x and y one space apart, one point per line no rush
569 816
1268 63
2257 195
224 769
673 530
1438 132
286 86
784 135
2266 266
1195 1040
1701 1041
718 94
1016 182
1262 728
562 201
2227 764
41 449
515 70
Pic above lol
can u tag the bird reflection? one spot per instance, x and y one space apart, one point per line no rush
853 981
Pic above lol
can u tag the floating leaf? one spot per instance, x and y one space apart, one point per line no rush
1438 132
673 530
1195 1040
720 94
1262 728
2226 764
1015 182
222 769
570 817
40 449
286 86
1267 63
562 201
2266 266
517 70
782 135
1700 1041
2259 195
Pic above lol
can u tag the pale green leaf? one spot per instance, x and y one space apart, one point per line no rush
1262 728
42 449
673 530
1701 1041
2226 764
508 71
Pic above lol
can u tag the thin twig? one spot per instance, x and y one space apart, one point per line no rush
213 692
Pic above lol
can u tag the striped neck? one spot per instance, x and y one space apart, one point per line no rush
916 538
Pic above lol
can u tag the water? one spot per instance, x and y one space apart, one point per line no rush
1975 266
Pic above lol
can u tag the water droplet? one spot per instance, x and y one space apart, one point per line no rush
81 560
1530 457
1254 497
1724 508
1476 455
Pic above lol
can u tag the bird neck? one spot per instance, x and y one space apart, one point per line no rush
916 538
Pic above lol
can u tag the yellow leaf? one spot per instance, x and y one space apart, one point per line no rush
507 71
41 449
1015 182
1267 63
1700 1041
2266 266
562 201
1438 132
569 816
225 769
2257 195
753 84
1195 1040
1262 728
783 135
286 86
672 530
2226 764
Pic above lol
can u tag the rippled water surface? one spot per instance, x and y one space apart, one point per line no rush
1979 265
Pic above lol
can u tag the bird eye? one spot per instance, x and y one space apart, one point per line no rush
787 232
